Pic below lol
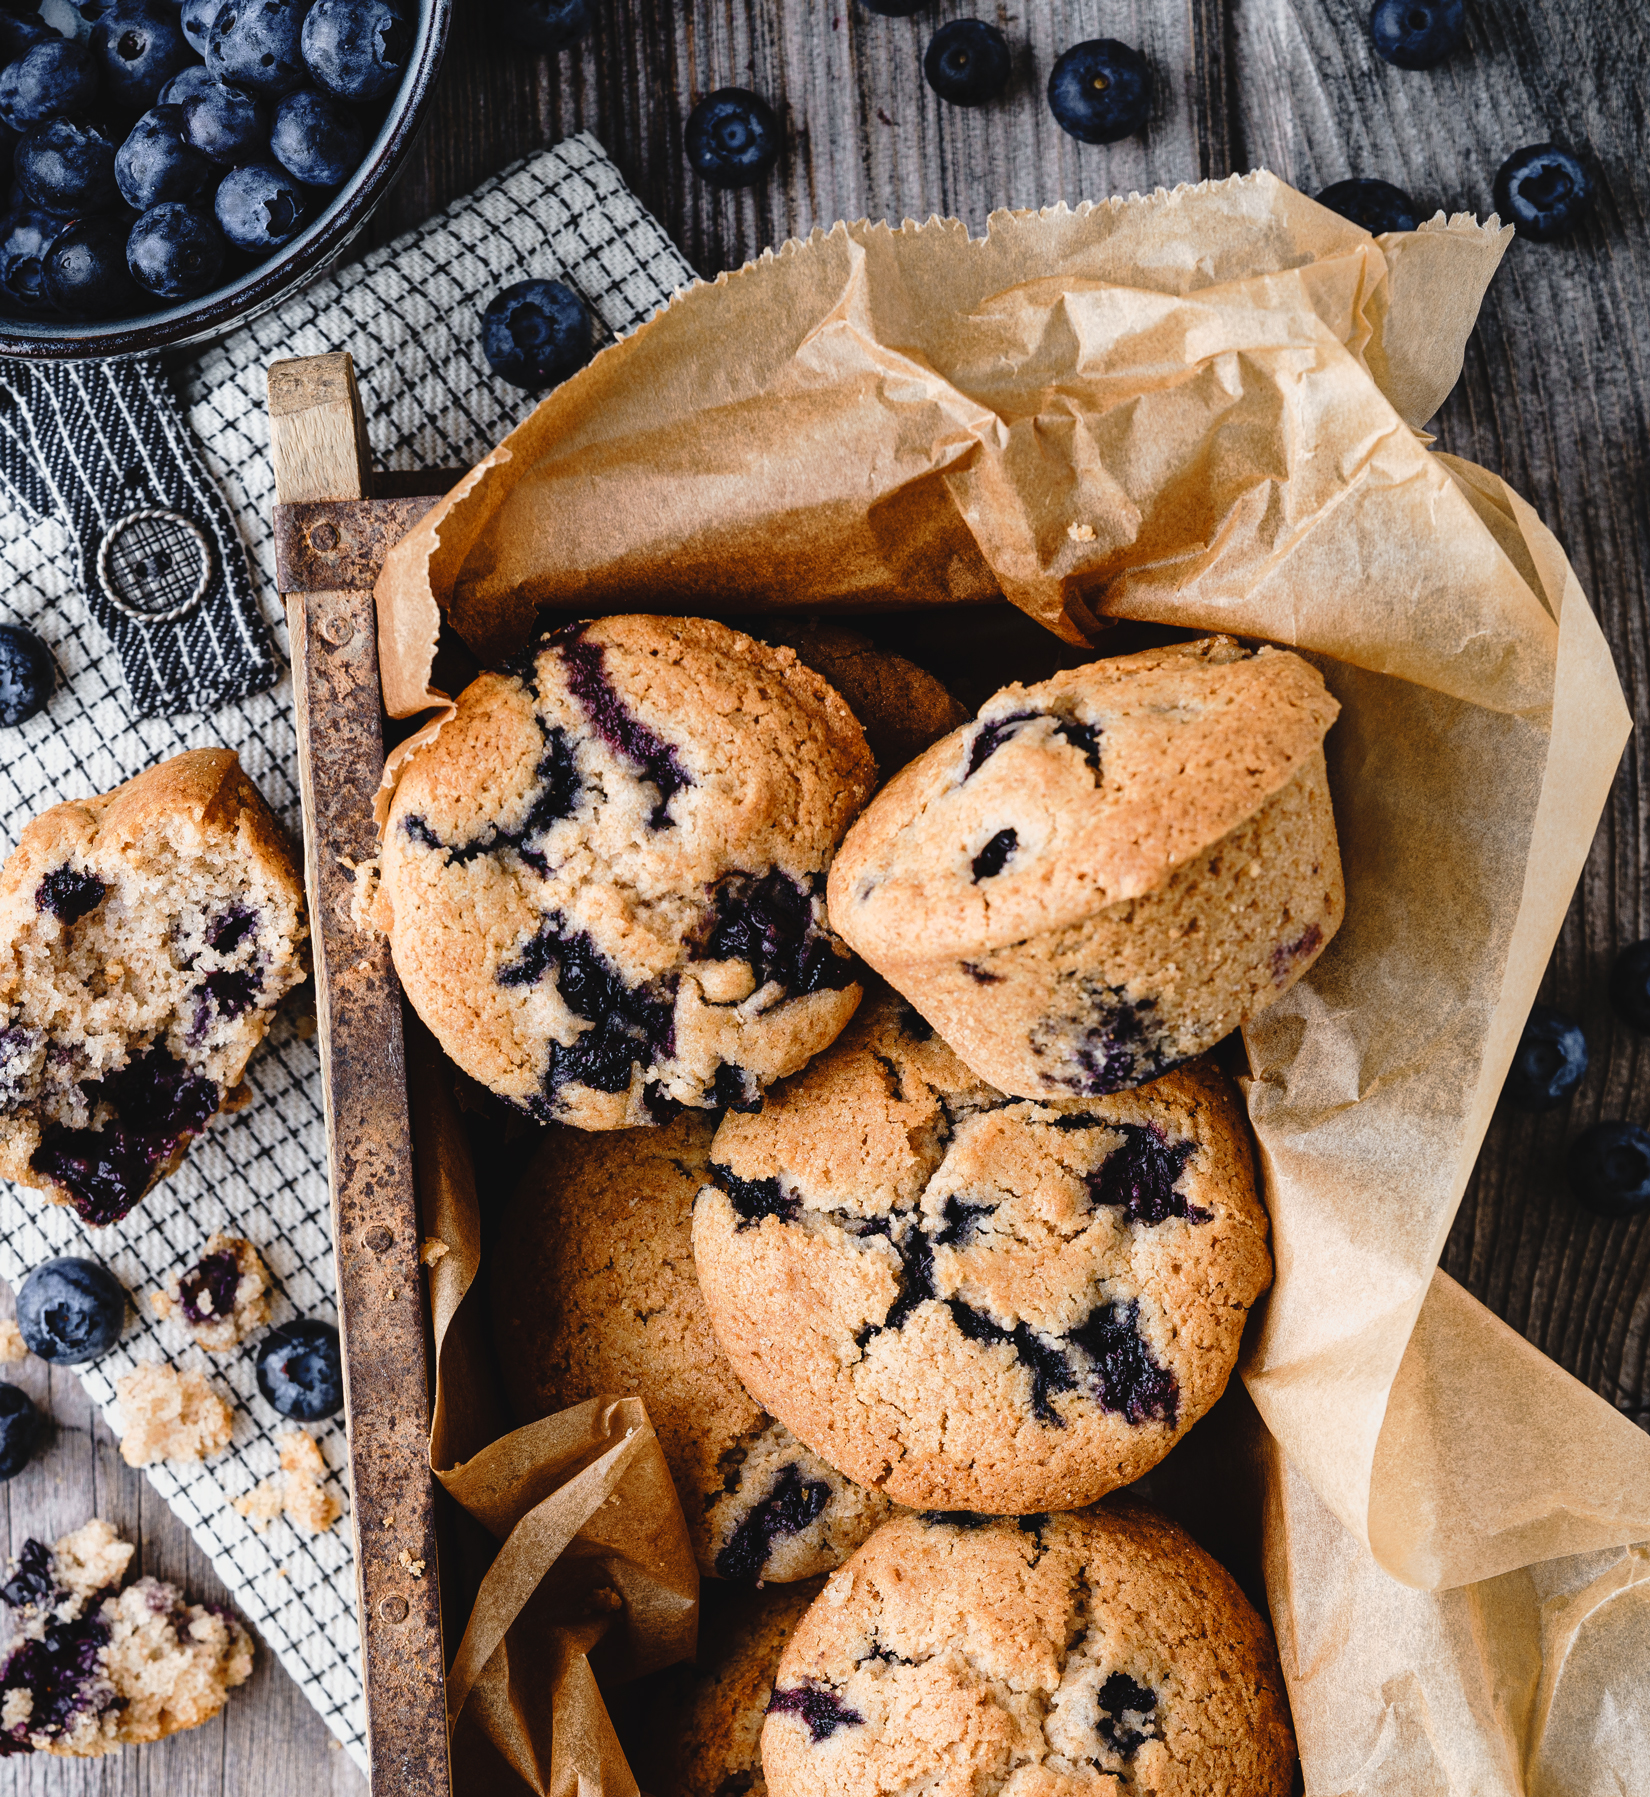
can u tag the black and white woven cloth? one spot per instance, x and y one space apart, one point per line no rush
103 448
410 315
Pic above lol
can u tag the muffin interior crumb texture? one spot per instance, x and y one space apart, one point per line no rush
170 1414
296 1491
222 1298
146 937
87 1667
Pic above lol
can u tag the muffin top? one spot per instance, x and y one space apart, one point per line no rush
603 882
1081 792
1090 1654
971 1301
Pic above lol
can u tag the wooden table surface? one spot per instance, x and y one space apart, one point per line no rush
1555 397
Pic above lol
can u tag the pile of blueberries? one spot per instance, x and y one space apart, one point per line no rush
165 147
71 1310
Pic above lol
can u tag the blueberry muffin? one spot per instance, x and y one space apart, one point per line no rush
88 1667
604 881
1099 1653
594 1295
1104 874
969 1301
706 1738
146 937
223 1298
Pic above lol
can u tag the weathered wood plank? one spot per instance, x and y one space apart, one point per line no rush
1555 397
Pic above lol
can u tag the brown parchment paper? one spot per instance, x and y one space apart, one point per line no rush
1200 409
594 1569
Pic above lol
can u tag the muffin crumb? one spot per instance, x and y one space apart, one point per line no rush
223 1298
170 1415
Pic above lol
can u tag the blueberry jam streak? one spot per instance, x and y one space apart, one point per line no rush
991 737
754 1199
1049 1369
1120 1696
768 922
232 929
625 734
157 1103
215 1278
734 1089
555 796
1114 1048
1143 1176
629 1025
994 857
817 1705
226 994
1125 1378
60 1671
791 1504
68 895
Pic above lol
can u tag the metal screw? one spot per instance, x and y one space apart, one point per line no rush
324 537
337 628
379 1239
393 1609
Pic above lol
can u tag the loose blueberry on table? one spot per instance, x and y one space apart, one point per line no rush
967 62
19 1430
27 672
1376 205
1417 34
1549 1061
1100 91
130 120
300 1371
536 333
1543 190
1609 1169
1629 981
732 137
70 1310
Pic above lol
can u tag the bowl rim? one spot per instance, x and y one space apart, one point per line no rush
213 314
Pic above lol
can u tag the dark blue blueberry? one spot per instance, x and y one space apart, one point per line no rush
19 1430
19 35
195 79
546 24
817 1705
1543 190
359 49
770 924
33 1581
1376 205
754 1199
226 124
732 137
259 207
300 1371
1629 977
156 163
1549 1061
316 138
27 673
995 856
257 44
215 1277
967 62
790 1506
1142 1177
177 251
53 80
70 1310
196 21
535 334
140 50
86 274
1609 1168
1127 1378
1415 34
69 895
1120 1697
1100 91
67 166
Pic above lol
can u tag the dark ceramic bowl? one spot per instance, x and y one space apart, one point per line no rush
319 245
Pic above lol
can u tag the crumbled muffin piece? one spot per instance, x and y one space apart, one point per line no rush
297 1489
223 1298
170 1415
434 1249
12 1344
87 1667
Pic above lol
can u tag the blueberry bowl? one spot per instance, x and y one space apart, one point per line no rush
177 168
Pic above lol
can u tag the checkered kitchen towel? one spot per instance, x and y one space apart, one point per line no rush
409 314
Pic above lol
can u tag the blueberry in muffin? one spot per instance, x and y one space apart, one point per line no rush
603 882
969 1301
87 1667
222 1298
1105 873
594 1295
146 937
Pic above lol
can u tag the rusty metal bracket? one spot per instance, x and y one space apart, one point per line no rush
339 545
